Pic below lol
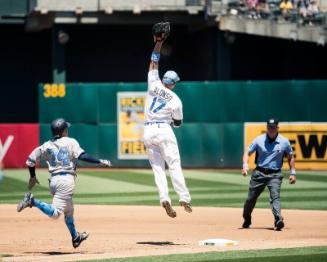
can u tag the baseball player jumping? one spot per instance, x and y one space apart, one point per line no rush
61 154
163 108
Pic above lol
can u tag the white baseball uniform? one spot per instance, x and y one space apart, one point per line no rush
161 107
61 156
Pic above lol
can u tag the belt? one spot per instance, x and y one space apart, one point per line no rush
60 174
153 123
267 170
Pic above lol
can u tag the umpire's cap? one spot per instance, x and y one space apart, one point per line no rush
170 78
58 126
272 122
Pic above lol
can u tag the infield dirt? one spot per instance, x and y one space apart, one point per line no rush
127 231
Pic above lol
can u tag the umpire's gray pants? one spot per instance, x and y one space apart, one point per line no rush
257 184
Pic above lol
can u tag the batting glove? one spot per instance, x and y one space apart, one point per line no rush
105 162
31 183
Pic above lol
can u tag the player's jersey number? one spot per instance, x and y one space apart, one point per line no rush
157 104
60 157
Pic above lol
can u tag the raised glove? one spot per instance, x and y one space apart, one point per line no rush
31 183
160 31
105 162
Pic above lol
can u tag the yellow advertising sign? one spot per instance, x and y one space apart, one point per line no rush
130 110
308 140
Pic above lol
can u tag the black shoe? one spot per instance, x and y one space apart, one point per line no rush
279 225
79 239
247 223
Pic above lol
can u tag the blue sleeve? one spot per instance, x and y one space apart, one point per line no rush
288 148
253 146
87 158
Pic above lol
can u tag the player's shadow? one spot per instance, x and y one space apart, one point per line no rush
257 228
158 243
55 253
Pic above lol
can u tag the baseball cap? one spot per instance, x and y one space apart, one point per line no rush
272 122
170 78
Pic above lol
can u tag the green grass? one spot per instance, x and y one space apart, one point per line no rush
136 187
310 254
208 188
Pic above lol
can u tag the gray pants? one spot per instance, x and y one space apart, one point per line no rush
257 184
62 188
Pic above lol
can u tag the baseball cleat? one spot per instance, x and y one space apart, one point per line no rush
246 223
79 239
26 202
169 210
187 206
279 225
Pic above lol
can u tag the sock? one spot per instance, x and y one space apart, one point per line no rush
44 207
71 227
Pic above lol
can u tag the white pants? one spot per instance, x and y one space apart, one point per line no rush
162 147
62 188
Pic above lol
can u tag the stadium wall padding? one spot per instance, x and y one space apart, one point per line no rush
214 113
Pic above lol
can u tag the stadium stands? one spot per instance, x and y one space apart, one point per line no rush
303 20
109 6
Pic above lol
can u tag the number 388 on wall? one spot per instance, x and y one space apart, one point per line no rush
54 90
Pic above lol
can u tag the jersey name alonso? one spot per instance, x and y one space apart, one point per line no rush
162 104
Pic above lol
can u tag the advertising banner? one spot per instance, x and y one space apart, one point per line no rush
130 110
16 142
308 140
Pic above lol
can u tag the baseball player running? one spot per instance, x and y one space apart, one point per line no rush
61 154
163 108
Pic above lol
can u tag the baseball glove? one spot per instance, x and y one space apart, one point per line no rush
160 31
32 182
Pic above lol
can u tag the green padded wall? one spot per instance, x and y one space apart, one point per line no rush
214 113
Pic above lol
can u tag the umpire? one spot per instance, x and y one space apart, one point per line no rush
270 149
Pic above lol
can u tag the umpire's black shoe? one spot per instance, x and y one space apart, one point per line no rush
79 239
279 225
247 223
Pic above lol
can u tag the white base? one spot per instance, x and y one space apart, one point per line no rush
218 242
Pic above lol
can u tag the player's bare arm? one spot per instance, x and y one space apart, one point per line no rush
291 163
245 168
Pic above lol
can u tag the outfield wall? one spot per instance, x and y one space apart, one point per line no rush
214 115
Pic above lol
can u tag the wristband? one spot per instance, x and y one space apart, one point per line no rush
155 57
293 172
245 166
